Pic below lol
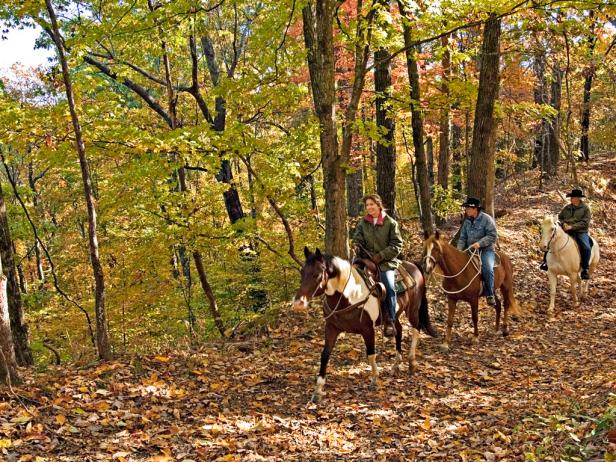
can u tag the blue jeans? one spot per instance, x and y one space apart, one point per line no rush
388 278
487 271
583 240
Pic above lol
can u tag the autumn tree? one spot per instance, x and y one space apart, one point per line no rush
481 178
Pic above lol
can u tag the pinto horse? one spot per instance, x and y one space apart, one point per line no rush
563 257
351 306
462 281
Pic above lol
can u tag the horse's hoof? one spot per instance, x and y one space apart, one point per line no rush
475 339
413 366
373 386
505 333
444 347
316 398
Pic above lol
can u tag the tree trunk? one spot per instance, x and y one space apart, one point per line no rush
427 220
553 148
430 160
589 74
18 325
585 122
8 363
209 293
540 97
458 160
318 38
386 146
445 120
355 192
482 162
102 335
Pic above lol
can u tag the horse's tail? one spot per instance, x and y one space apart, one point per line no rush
424 314
512 304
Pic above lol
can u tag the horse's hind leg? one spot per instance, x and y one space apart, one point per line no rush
507 303
475 316
497 307
331 335
574 282
371 352
451 314
413 350
398 360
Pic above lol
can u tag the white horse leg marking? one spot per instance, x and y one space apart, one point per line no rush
375 371
553 279
573 281
413 351
318 390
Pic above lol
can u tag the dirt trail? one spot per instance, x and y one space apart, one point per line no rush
534 392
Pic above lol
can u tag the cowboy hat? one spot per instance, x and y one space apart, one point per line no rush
576 193
472 202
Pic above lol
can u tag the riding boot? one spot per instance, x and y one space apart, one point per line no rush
544 264
390 329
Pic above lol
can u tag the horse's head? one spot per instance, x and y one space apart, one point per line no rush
433 251
549 228
314 278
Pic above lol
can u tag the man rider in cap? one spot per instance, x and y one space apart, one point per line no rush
479 232
575 219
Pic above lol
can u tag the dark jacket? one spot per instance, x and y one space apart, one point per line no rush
383 238
578 217
481 229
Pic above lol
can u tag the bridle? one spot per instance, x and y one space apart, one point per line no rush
552 238
471 259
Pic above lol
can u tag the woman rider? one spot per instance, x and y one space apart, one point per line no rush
378 234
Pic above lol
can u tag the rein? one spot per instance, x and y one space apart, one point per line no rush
552 238
444 276
361 303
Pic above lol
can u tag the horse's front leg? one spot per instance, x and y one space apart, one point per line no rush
413 352
369 336
451 314
331 335
553 279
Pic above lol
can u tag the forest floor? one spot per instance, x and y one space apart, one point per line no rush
547 392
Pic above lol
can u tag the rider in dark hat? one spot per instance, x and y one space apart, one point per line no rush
575 219
479 232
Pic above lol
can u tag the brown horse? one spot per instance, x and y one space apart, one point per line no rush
351 306
462 281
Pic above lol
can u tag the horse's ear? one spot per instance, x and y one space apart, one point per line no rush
318 254
307 252
437 234
426 235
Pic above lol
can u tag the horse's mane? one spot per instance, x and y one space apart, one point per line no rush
332 269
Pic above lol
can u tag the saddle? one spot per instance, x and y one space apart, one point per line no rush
477 263
371 275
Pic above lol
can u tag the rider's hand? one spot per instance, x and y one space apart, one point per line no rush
376 258
476 245
567 227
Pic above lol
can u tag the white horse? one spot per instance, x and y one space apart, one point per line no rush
563 258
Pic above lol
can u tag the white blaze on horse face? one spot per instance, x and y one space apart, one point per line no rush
300 303
429 258
547 232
